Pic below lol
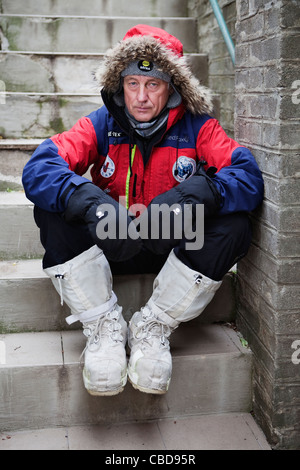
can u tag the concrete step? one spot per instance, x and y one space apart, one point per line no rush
40 99
176 8
31 72
84 33
19 236
227 431
29 302
14 154
41 115
41 380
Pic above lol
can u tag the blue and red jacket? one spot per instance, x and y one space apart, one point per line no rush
98 143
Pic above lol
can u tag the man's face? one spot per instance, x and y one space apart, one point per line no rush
145 97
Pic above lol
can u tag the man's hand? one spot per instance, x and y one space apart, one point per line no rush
198 189
108 222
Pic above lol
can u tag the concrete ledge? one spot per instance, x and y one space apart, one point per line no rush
41 380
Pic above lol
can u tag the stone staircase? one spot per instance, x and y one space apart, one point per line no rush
47 58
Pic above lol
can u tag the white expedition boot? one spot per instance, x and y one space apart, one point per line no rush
85 284
179 295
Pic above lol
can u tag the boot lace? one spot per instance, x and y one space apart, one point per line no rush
150 328
106 325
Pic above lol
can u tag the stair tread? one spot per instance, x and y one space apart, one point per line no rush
77 54
21 269
210 367
121 7
101 17
65 347
28 301
14 198
55 69
48 93
97 33
19 143
229 431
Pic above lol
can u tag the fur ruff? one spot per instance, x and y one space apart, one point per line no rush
196 97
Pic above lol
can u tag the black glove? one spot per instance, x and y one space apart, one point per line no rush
198 189
108 222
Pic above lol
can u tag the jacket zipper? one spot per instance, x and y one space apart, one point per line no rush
128 176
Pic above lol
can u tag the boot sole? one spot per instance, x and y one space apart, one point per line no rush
147 390
108 393
103 393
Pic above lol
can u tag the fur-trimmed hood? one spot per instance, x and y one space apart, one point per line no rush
154 44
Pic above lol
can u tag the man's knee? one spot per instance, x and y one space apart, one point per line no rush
238 227
226 240
60 240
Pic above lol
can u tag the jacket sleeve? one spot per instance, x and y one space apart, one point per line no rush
238 178
57 165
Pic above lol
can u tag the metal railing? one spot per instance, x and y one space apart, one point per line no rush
223 27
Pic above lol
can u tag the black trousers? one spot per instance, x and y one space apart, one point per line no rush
226 240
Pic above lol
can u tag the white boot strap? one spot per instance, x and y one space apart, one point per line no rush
161 315
93 313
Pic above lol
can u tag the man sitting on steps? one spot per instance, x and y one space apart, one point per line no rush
152 144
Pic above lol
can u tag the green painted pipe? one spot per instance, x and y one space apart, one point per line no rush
223 27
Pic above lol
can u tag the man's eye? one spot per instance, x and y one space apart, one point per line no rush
153 85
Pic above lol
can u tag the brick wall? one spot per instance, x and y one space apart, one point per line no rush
267 121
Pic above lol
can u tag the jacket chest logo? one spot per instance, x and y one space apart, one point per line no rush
183 168
108 168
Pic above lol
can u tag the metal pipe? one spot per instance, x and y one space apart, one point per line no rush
223 27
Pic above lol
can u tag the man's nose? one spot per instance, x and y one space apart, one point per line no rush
142 93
